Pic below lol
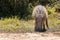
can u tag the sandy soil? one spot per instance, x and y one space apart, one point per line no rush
30 36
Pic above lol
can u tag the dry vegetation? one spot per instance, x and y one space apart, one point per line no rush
17 25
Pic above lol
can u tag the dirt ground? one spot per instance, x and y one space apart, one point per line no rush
30 36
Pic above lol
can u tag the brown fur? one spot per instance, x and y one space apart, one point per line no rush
41 18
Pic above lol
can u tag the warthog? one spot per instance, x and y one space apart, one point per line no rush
41 18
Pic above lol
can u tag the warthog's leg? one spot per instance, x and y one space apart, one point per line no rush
43 24
47 23
36 28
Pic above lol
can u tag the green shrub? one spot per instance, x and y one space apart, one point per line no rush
51 10
15 25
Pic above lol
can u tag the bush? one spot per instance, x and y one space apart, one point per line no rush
23 8
51 10
15 25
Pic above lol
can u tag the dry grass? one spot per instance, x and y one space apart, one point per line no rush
16 25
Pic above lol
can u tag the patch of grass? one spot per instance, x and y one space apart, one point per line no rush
16 25
54 20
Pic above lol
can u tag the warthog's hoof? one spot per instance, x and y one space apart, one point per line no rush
40 30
